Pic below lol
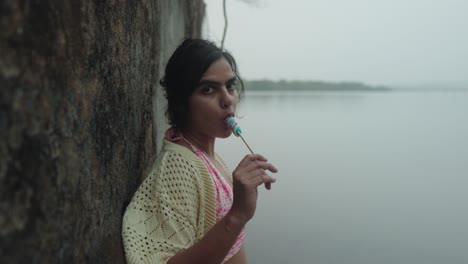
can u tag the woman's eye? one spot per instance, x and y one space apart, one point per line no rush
207 90
231 86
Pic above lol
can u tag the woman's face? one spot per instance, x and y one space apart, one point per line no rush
213 100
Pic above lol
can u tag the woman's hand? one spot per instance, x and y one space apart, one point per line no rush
249 174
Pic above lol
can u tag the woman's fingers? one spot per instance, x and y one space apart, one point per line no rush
254 165
253 157
252 171
248 175
264 178
267 179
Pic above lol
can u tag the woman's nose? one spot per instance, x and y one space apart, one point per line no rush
227 99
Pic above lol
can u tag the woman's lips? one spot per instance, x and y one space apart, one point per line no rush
229 115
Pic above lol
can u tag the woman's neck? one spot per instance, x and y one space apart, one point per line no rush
203 143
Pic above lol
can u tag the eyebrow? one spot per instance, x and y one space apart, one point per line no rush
204 82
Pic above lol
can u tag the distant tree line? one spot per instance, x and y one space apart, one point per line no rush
283 85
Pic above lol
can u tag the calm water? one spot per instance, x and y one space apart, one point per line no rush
365 177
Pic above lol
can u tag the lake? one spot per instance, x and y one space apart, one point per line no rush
364 177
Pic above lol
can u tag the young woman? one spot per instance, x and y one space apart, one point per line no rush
190 208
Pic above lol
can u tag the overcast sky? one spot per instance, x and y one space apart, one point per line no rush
374 41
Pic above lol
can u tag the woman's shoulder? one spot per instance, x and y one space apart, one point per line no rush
176 162
175 168
175 155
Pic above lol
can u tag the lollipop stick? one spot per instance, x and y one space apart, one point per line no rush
230 121
246 144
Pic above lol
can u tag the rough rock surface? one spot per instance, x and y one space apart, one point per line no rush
77 121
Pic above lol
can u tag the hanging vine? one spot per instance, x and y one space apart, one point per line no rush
252 2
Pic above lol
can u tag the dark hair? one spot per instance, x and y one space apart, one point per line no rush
184 71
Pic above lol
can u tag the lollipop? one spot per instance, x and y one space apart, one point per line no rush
232 123
234 126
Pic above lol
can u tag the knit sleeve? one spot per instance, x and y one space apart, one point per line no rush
163 216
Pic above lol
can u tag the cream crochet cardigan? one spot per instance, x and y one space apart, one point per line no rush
174 207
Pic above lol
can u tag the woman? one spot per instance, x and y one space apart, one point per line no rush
190 209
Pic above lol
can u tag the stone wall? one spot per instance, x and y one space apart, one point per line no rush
80 112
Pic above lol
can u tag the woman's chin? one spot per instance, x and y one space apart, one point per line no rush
227 133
